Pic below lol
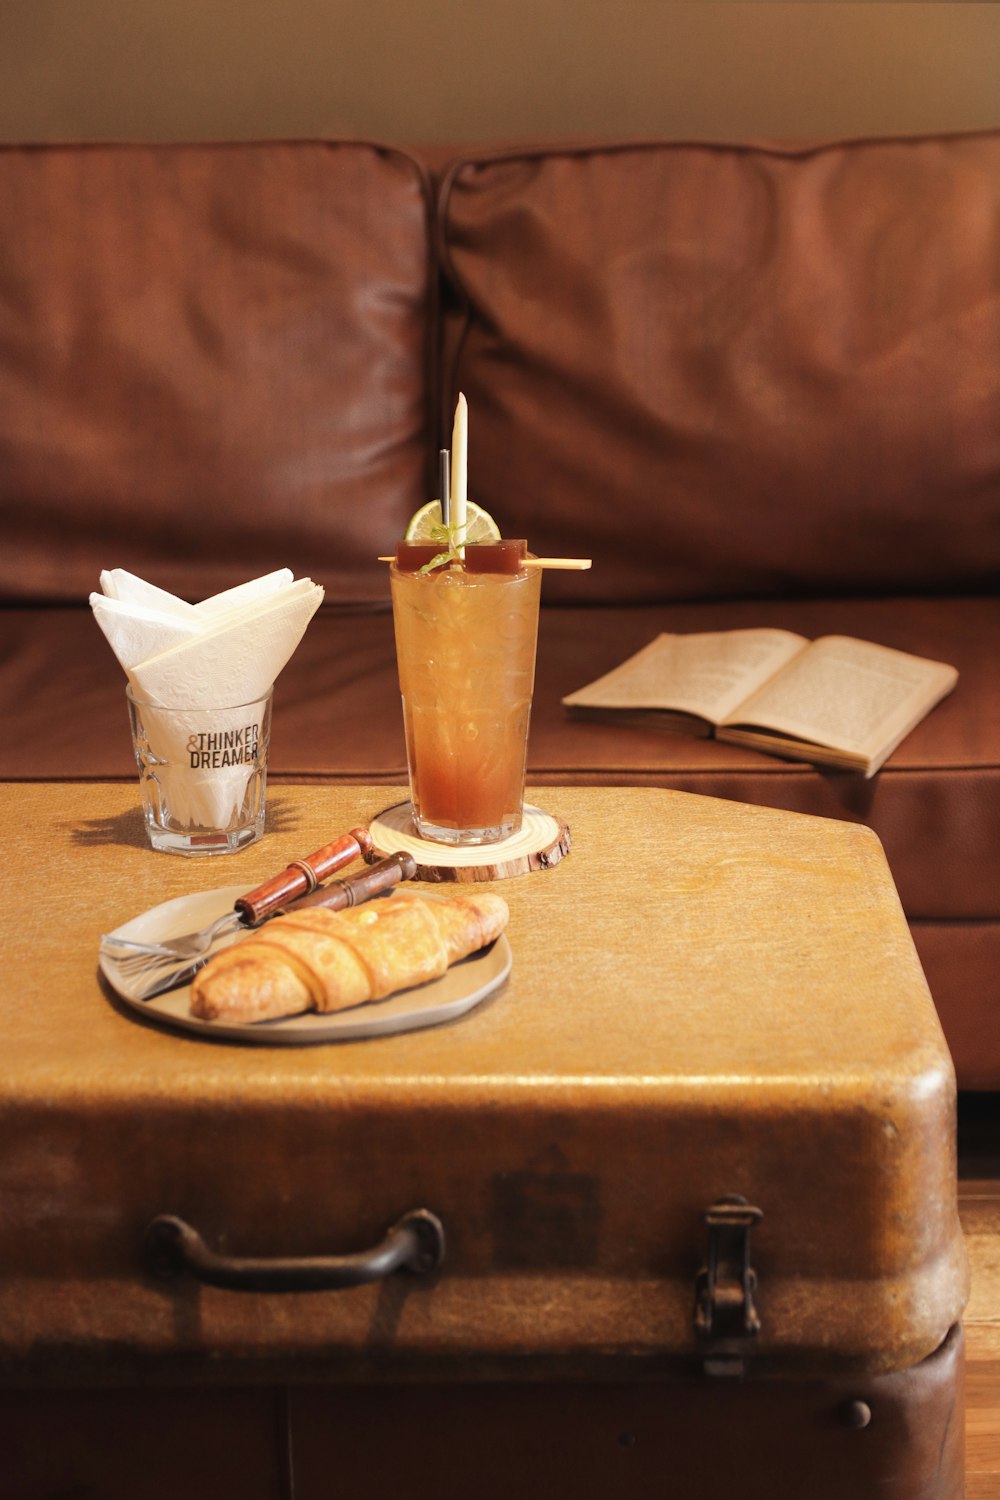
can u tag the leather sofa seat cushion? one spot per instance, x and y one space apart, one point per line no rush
213 360
733 371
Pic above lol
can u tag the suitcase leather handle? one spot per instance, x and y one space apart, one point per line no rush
415 1243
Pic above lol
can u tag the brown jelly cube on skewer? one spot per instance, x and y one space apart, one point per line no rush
412 556
506 556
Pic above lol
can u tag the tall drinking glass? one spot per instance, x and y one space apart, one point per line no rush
465 648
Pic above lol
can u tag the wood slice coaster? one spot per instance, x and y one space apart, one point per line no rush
541 842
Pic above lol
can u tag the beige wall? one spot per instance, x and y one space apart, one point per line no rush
470 70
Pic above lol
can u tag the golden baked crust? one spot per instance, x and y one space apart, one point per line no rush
326 961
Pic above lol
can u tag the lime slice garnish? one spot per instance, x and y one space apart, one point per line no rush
425 524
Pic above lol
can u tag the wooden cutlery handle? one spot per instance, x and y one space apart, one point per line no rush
303 875
357 888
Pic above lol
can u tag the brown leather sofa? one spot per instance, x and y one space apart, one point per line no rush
757 385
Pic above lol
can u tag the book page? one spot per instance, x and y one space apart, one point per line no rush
850 694
706 673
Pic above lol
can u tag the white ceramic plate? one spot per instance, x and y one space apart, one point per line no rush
463 986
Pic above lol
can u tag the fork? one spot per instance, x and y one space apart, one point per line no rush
300 879
157 972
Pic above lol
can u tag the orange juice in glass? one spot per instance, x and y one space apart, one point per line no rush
465 648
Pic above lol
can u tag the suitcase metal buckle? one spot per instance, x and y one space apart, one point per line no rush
724 1308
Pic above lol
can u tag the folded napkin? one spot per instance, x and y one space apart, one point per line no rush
128 589
219 654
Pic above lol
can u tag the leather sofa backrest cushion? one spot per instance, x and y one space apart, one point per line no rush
213 363
734 370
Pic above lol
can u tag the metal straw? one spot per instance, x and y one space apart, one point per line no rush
444 484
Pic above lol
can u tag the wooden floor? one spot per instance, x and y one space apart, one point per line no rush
979 1206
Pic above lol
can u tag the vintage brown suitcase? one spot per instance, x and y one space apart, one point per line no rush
678 1200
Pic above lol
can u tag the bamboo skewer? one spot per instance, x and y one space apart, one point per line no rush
567 564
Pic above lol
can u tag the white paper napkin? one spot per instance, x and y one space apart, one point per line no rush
219 654
137 632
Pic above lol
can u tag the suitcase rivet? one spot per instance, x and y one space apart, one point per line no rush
856 1414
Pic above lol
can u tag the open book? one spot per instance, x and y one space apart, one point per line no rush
836 700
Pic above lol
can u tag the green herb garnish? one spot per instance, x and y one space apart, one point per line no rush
451 543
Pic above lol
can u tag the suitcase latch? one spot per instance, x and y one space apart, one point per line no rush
724 1311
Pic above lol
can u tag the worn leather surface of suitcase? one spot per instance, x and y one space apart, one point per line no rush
699 1151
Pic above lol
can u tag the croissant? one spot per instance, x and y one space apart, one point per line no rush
328 960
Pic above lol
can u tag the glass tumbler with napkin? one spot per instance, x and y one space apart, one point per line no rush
200 681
